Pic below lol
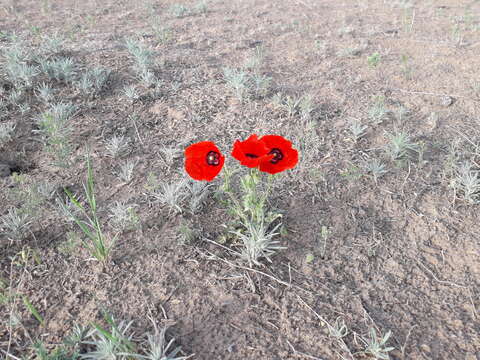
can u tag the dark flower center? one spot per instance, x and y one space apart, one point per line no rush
213 158
253 156
277 155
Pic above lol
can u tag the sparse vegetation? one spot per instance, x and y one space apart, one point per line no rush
374 59
378 111
376 346
16 223
56 128
400 147
378 207
259 225
126 170
171 195
357 129
97 243
145 64
117 146
467 182
6 132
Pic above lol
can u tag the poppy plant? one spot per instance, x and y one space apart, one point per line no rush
251 152
284 156
203 160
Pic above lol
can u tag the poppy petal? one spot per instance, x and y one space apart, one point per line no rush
203 161
285 157
250 152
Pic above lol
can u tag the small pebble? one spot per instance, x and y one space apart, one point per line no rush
447 101
425 347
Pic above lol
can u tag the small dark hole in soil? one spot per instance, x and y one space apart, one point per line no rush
10 167
7 87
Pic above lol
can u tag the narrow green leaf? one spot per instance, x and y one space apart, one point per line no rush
33 310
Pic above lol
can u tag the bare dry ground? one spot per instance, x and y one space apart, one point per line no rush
381 226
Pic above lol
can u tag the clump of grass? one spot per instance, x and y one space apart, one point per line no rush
249 81
237 80
171 195
126 170
17 51
338 330
113 343
475 86
24 108
376 347
467 182
22 75
260 84
97 243
374 59
161 349
52 44
55 125
29 196
292 104
93 81
247 84
346 30
118 342
357 129
376 168
16 97
170 154
45 92
378 111
131 93
6 132
256 60
16 224
306 106
199 190
186 233
61 70
201 7
18 64
77 335
117 146
123 217
179 10
144 62
458 34
3 106
257 227
401 114
162 33
60 353
295 105
400 146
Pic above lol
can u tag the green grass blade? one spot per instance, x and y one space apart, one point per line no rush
33 310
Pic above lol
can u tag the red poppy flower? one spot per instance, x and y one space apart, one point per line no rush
250 152
203 160
284 156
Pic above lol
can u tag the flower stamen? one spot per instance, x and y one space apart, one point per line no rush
213 158
277 155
